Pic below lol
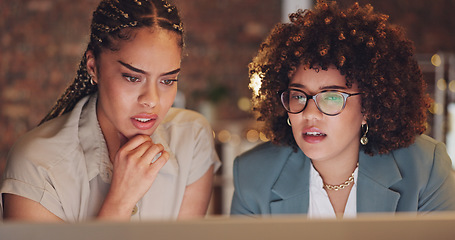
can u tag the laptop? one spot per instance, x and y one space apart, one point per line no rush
385 227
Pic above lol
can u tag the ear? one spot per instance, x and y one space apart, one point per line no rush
91 65
364 120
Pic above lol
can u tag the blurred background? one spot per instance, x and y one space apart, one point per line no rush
42 42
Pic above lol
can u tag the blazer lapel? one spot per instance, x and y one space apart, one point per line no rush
291 188
376 175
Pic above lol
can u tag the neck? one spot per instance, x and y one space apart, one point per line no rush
112 142
111 136
335 172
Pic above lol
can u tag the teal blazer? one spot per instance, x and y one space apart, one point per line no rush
272 179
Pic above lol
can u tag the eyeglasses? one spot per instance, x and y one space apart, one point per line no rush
328 102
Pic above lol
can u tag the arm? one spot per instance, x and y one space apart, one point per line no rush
197 196
17 208
133 175
237 208
439 193
238 205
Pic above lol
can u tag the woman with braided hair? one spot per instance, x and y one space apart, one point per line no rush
112 147
344 103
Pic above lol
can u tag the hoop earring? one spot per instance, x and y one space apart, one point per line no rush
289 122
364 139
91 80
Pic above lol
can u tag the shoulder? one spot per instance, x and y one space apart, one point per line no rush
426 144
49 142
43 144
184 125
426 158
265 153
266 159
184 131
183 115
425 166
257 171
180 116
424 150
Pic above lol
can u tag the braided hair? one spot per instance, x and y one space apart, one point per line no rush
113 20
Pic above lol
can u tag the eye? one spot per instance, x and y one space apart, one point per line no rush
131 78
297 96
168 82
335 98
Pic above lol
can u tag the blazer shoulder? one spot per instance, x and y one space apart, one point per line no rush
423 141
423 155
424 147
261 166
265 154
255 172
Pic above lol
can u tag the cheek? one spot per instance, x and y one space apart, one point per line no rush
294 120
353 109
352 120
356 114
167 97
118 98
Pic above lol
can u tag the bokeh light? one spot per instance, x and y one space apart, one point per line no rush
436 60
252 135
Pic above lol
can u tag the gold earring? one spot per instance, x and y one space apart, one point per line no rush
364 139
289 122
91 80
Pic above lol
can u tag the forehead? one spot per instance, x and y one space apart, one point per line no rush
150 38
148 47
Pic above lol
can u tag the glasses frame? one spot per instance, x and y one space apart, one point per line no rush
308 96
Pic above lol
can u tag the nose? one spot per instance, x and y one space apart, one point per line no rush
149 96
311 111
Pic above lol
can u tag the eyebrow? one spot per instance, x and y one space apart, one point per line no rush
131 67
330 87
144 72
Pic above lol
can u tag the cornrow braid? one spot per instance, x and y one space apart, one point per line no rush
80 88
113 21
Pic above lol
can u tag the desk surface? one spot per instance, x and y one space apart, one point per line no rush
437 226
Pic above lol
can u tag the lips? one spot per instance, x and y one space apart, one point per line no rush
144 121
313 135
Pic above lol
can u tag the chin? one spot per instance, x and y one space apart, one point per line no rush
313 153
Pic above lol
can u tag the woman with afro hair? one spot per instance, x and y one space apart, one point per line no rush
344 104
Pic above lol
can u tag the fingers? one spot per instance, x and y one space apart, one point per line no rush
134 142
152 152
161 161
135 170
141 148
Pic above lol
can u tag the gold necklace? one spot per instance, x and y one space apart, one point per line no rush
343 185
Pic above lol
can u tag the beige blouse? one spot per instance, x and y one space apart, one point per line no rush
64 164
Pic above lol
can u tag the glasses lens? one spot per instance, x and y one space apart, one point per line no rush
330 102
293 101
